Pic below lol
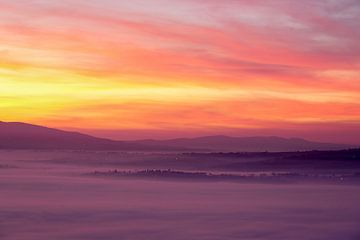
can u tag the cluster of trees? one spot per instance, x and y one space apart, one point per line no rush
159 173
348 154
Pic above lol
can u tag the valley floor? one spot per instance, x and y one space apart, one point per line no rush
48 195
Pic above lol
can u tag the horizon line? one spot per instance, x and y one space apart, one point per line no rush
79 131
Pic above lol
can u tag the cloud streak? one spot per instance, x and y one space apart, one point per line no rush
190 59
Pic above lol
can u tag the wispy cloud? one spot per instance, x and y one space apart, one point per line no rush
185 60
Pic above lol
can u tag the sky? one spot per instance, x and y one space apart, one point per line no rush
183 68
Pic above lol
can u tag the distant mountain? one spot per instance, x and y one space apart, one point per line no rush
246 144
15 135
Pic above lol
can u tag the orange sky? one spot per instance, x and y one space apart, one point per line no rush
171 68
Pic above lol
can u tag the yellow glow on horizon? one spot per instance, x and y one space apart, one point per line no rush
139 71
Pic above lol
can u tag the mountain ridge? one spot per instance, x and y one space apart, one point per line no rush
19 135
254 143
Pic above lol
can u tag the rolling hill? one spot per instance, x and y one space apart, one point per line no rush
15 135
246 144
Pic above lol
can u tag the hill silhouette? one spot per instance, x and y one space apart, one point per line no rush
246 144
17 135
